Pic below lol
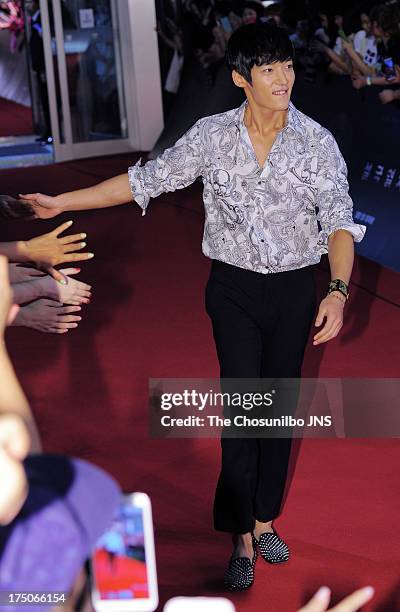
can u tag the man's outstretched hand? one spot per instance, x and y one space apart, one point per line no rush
49 250
43 206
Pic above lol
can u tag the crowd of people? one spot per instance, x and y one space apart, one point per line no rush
362 43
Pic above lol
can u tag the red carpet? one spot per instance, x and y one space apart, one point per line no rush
89 394
15 119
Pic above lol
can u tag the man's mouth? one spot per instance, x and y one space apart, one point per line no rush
280 92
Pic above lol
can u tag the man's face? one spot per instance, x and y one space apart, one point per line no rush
272 85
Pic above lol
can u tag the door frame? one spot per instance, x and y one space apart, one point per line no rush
141 82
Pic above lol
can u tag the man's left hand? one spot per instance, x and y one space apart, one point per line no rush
330 308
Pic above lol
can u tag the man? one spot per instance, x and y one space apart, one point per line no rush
270 175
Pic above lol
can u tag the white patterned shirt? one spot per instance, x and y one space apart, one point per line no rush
269 219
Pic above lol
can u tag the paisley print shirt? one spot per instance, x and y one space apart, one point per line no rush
269 219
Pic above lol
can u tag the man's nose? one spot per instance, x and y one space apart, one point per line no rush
282 77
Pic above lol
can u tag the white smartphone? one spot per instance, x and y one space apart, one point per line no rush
123 564
199 604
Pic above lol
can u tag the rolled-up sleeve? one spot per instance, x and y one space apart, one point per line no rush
334 204
176 168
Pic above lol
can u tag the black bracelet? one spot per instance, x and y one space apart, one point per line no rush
338 285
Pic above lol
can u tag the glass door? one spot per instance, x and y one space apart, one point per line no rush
90 90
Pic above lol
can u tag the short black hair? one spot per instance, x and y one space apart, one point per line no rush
256 44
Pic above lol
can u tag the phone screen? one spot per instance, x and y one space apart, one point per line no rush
226 24
119 560
388 69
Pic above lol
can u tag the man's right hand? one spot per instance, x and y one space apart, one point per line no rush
111 192
43 206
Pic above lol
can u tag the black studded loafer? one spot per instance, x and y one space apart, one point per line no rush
272 548
240 573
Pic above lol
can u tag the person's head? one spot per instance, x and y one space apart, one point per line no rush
338 19
365 22
196 7
384 21
234 19
260 57
274 13
323 20
303 28
252 11
373 16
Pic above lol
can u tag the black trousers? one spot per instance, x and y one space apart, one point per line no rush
261 324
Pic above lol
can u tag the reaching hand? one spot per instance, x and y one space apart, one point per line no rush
50 250
351 603
358 82
19 273
14 446
331 308
74 292
8 310
347 45
5 292
386 96
48 316
43 206
396 79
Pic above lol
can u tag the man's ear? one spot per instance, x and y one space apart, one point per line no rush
239 80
